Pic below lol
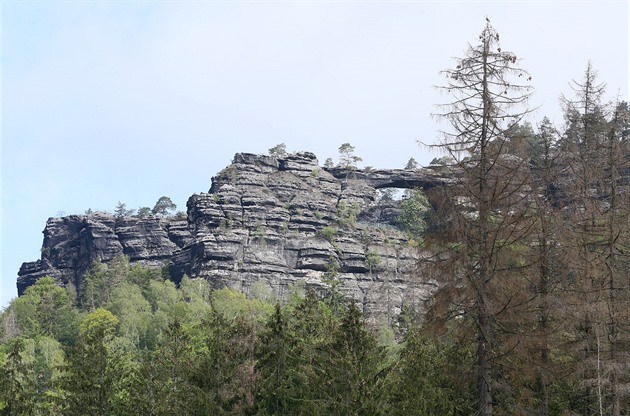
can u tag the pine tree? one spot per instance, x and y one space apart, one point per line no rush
545 270
347 158
615 249
164 206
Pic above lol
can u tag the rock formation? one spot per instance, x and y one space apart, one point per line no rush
73 243
266 221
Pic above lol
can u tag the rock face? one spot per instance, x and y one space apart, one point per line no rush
267 222
73 243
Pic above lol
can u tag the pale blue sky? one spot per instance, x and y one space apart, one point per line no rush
128 101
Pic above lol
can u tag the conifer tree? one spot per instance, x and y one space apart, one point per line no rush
275 390
167 387
592 239
432 377
310 332
614 249
17 381
355 368
545 270
489 93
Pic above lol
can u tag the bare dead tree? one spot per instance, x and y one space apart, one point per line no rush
489 94
596 237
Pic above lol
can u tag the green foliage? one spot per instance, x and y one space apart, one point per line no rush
229 173
262 292
169 388
141 276
297 352
144 212
234 305
278 151
98 327
122 211
99 282
225 370
385 195
98 369
523 142
332 267
348 213
334 297
17 380
432 378
134 312
443 161
347 158
274 366
372 260
413 215
164 206
411 164
45 309
328 233
357 367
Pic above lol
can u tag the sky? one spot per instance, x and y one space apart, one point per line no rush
108 101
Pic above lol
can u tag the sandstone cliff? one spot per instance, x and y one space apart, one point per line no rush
267 221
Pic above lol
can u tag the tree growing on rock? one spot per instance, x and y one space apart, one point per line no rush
278 151
411 164
144 212
164 206
347 158
122 211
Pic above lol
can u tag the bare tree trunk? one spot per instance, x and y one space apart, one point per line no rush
487 87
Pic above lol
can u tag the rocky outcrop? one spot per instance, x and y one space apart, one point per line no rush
266 221
73 243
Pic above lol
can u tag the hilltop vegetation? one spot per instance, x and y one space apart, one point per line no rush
136 344
527 247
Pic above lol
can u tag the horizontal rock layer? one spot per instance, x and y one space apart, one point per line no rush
265 222
73 243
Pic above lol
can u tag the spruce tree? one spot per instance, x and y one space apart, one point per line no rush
17 381
489 94
275 390
355 367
